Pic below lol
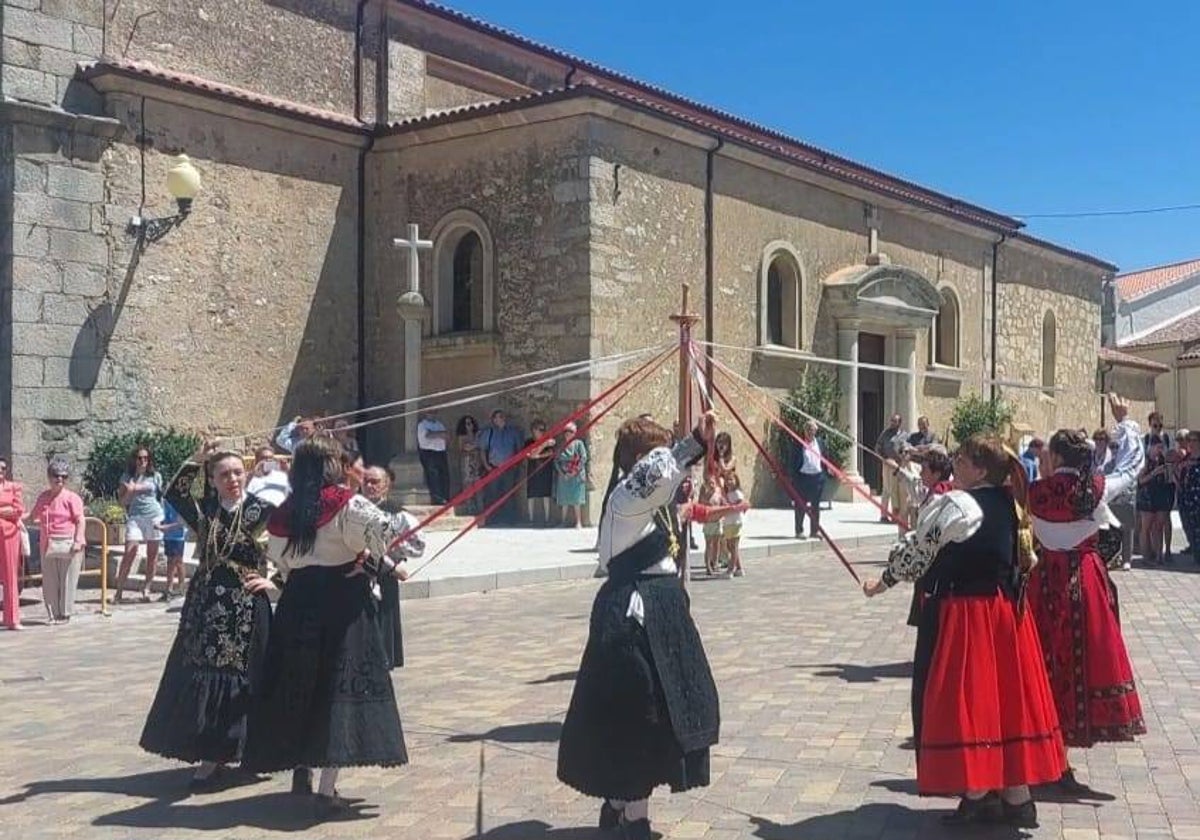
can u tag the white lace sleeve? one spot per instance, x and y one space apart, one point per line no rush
654 479
948 518
364 527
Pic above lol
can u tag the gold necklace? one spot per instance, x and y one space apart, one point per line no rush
222 553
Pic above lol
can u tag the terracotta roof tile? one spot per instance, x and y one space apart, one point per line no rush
1116 357
1135 284
1182 331
1191 355
207 87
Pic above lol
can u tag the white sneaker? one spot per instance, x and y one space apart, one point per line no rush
739 573
1127 566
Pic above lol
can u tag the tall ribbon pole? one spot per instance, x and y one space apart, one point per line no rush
685 320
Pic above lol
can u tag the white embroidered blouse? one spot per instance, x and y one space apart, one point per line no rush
949 518
359 526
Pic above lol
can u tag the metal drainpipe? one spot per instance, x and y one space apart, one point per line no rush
1107 369
360 280
709 248
995 304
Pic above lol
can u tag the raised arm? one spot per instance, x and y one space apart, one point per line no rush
653 480
179 491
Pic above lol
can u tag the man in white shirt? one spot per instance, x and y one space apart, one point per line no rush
432 439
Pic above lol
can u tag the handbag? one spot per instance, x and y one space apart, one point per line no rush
26 549
60 545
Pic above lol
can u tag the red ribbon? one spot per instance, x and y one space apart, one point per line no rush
783 480
494 506
519 457
773 416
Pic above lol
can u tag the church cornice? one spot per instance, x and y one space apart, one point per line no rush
143 79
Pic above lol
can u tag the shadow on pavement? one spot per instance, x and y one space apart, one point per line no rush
163 785
908 786
873 820
562 676
280 811
547 731
862 673
538 830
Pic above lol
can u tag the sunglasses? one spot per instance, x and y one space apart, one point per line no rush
57 476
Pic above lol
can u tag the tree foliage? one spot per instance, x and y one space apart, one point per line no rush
974 415
817 395
110 455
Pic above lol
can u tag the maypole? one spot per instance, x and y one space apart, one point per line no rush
685 320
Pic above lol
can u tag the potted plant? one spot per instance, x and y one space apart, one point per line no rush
974 415
109 511
816 395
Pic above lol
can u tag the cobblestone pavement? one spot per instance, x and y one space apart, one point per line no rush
814 687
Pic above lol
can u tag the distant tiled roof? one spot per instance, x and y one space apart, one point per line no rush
217 90
1192 355
1135 284
1182 331
1116 357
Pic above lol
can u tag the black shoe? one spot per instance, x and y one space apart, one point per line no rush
1021 816
302 781
636 830
989 809
610 817
211 782
1068 784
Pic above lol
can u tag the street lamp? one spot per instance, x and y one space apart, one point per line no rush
183 182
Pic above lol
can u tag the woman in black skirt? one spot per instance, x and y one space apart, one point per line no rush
327 699
199 711
645 710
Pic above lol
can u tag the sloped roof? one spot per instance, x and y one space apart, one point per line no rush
1116 357
1181 331
1136 284
217 90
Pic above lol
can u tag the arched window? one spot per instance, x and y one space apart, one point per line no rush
1049 350
782 295
944 345
462 288
466 311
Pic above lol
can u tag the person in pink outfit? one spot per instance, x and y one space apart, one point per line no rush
58 512
12 510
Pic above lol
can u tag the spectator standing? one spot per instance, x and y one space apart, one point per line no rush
1155 499
1031 457
174 534
432 441
1177 456
539 471
470 460
12 511
1189 493
732 522
58 513
887 447
141 491
571 464
497 443
923 436
1121 497
808 477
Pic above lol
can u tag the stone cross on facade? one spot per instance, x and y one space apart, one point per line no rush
413 311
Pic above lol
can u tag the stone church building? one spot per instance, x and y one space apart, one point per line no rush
566 203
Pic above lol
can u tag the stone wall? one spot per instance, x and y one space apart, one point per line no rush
243 314
529 187
1030 286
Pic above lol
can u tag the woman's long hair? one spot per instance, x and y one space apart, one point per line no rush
461 428
316 464
131 465
1072 449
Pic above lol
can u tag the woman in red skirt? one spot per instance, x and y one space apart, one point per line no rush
1074 603
983 716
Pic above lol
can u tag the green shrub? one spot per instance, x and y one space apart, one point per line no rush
107 510
973 415
110 454
818 395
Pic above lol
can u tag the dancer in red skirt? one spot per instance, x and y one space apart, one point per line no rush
1074 603
983 716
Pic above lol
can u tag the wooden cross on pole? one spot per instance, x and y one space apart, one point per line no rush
414 244
685 320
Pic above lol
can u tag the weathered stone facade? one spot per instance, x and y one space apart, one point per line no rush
591 206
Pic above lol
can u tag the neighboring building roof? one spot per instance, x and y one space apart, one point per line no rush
1192 355
217 90
1116 357
1137 284
1180 331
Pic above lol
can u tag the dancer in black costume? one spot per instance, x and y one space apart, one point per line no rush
199 711
645 707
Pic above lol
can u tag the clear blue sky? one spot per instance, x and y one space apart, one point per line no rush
1023 107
